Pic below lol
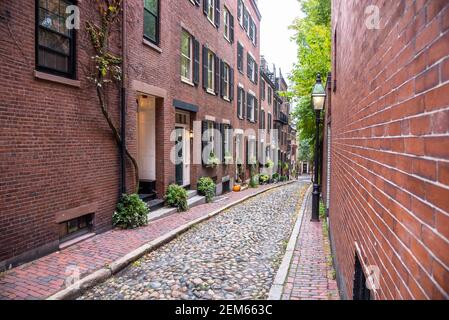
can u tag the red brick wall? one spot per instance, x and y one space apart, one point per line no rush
57 151
390 146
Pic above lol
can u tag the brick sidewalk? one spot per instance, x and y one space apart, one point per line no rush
46 276
310 275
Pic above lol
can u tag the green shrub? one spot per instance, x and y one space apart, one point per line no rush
206 187
254 181
176 197
275 176
131 212
283 178
263 178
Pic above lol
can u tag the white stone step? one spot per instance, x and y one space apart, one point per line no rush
191 193
194 201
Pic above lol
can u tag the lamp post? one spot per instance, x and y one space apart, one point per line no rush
318 98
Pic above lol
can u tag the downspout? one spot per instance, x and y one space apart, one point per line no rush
123 104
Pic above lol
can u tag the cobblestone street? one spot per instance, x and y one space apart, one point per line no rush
232 256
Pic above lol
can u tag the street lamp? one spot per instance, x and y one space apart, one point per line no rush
318 98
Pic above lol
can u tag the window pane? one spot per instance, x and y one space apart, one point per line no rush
53 61
152 6
150 26
185 44
51 21
185 67
54 41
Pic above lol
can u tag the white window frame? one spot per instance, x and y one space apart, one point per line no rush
251 105
242 105
211 5
226 24
189 79
210 72
227 71
253 68
211 135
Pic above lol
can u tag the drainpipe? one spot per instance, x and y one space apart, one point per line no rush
123 104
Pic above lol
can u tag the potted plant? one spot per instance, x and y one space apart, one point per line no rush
269 164
212 161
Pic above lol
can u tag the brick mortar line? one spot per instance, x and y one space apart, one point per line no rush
119 264
277 287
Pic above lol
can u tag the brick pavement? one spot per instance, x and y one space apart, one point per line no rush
310 274
44 277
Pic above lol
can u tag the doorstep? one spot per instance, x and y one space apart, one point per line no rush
193 201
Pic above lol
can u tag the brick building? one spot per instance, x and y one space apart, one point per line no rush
387 129
189 65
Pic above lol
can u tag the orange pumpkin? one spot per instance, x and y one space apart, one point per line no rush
236 188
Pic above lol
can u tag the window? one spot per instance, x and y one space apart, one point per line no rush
360 291
270 119
226 136
239 148
151 20
75 227
210 71
270 95
227 27
262 90
240 102
245 19
251 26
240 12
240 57
186 56
211 10
252 69
226 81
55 44
250 107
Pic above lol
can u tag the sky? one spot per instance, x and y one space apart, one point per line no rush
276 46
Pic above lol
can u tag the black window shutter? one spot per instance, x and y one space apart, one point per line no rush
255 34
239 9
222 82
217 75
205 5
256 73
245 18
217 13
231 84
248 106
256 109
205 67
240 57
239 100
203 143
248 64
231 29
243 104
196 62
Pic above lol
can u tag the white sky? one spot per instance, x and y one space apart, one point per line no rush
276 46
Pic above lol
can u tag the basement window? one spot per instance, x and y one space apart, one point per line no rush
360 291
76 227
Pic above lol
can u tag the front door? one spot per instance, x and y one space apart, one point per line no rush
180 156
182 127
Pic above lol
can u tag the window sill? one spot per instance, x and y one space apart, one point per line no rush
226 99
212 22
187 81
227 39
76 240
58 79
152 45
209 91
